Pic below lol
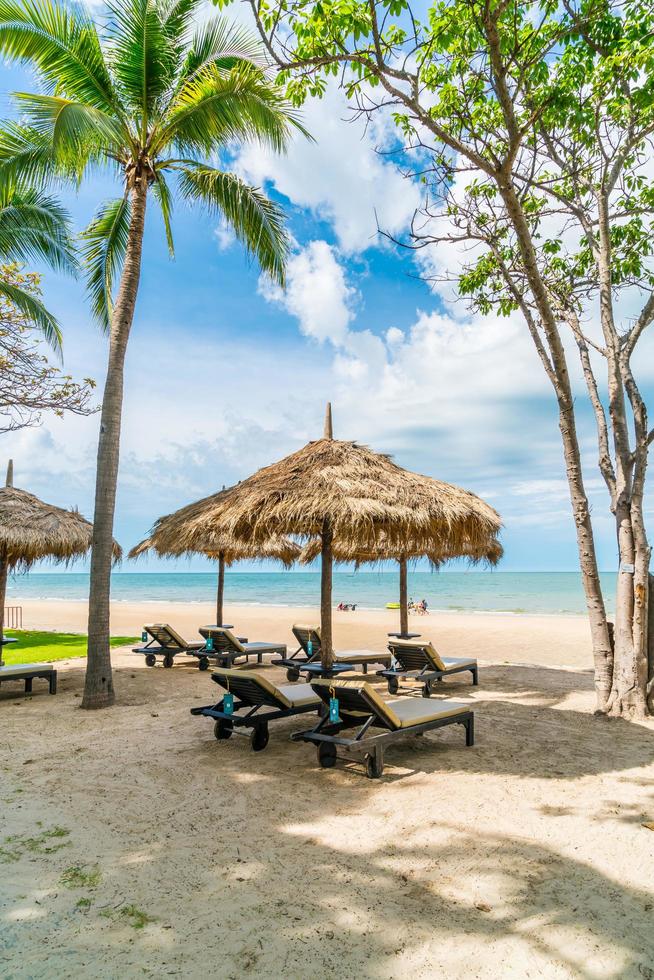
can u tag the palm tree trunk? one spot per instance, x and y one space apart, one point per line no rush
98 687
326 645
404 599
221 589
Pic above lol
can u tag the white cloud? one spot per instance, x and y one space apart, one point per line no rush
340 178
316 293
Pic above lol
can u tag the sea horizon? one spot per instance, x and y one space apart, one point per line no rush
535 593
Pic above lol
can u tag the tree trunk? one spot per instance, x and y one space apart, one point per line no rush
98 687
602 652
650 640
628 691
404 598
3 598
221 589
326 645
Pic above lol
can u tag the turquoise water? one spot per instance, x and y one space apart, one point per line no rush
508 592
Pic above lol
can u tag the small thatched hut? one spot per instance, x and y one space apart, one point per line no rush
340 491
31 530
168 539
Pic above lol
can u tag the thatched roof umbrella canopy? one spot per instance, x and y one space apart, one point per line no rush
31 530
340 491
489 553
169 538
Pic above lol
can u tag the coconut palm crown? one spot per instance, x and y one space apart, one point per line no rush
153 98
154 95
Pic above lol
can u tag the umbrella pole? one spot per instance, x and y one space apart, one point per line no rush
327 649
404 600
221 589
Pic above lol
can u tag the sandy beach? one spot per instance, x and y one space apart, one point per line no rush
135 844
504 638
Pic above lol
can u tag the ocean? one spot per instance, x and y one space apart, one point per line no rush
505 592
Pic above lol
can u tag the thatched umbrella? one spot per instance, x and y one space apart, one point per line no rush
31 530
168 540
340 491
489 553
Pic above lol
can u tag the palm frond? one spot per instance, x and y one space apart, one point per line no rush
162 192
62 43
143 57
26 155
33 310
222 45
104 243
34 227
78 133
256 220
216 107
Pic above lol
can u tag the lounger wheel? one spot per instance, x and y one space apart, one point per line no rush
393 685
259 738
426 690
150 660
203 663
374 769
327 755
168 660
223 729
292 674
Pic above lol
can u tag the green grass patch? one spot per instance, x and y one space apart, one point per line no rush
36 645
83 903
47 842
130 914
81 876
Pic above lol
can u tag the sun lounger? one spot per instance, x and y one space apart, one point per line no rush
227 648
27 673
257 701
165 642
418 660
306 634
304 654
361 707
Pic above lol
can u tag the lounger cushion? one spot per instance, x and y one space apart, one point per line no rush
261 645
361 657
368 696
458 662
24 670
419 711
299 694
307 629
286 696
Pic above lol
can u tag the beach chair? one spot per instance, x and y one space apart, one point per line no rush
304 654
418 660
227 648
27 673
362 708
165 642
257 701
311 634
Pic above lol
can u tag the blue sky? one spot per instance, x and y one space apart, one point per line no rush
225 374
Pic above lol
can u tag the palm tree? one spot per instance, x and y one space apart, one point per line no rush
33 227
155 99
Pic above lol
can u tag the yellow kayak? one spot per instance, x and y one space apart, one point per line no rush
392 605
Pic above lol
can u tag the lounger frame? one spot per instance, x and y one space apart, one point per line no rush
370 748
254 719
426 675
225 654
163 644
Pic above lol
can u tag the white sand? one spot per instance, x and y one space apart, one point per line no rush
523 856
